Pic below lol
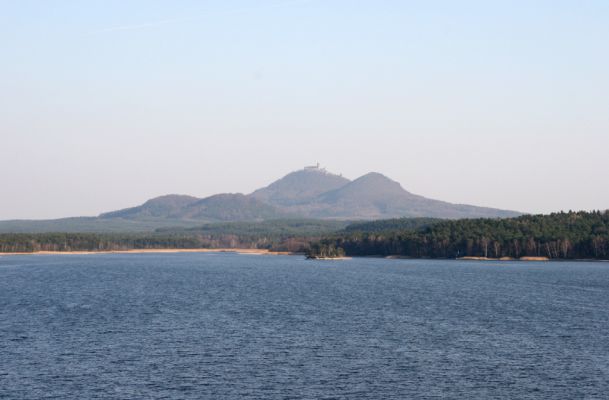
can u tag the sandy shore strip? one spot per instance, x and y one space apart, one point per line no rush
470 258
141 251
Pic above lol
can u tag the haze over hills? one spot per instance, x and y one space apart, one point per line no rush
311 193
315 193
300 187
219 207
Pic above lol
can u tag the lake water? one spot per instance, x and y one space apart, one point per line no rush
229 326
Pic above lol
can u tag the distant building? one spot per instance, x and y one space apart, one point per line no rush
315 167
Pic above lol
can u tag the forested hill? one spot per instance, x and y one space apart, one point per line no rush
572 235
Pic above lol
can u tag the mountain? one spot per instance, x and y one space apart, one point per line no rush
231 207
164 206
309 193
374 196
219 207
300 187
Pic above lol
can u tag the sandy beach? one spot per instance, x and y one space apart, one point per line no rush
504 258
139 251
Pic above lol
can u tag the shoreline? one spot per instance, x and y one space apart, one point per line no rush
262 252
144 251
525 258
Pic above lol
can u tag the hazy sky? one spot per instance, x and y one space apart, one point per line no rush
104 104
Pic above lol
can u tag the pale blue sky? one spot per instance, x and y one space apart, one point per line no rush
104 104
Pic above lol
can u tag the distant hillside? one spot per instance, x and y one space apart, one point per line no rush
230 207
270 228
219 207
372 196
299 187
167 206
92 224
311 193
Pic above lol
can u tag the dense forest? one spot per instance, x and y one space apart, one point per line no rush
273 227
394 224
277 235
570 235
24 242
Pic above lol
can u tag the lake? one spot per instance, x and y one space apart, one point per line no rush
230 326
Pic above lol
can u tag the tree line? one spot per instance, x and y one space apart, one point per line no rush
27 243
293 235
565 235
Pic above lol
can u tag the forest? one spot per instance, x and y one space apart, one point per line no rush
292 235
565 235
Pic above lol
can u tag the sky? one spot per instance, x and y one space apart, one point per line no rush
105 104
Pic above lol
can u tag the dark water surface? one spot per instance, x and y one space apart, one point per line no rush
228 326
